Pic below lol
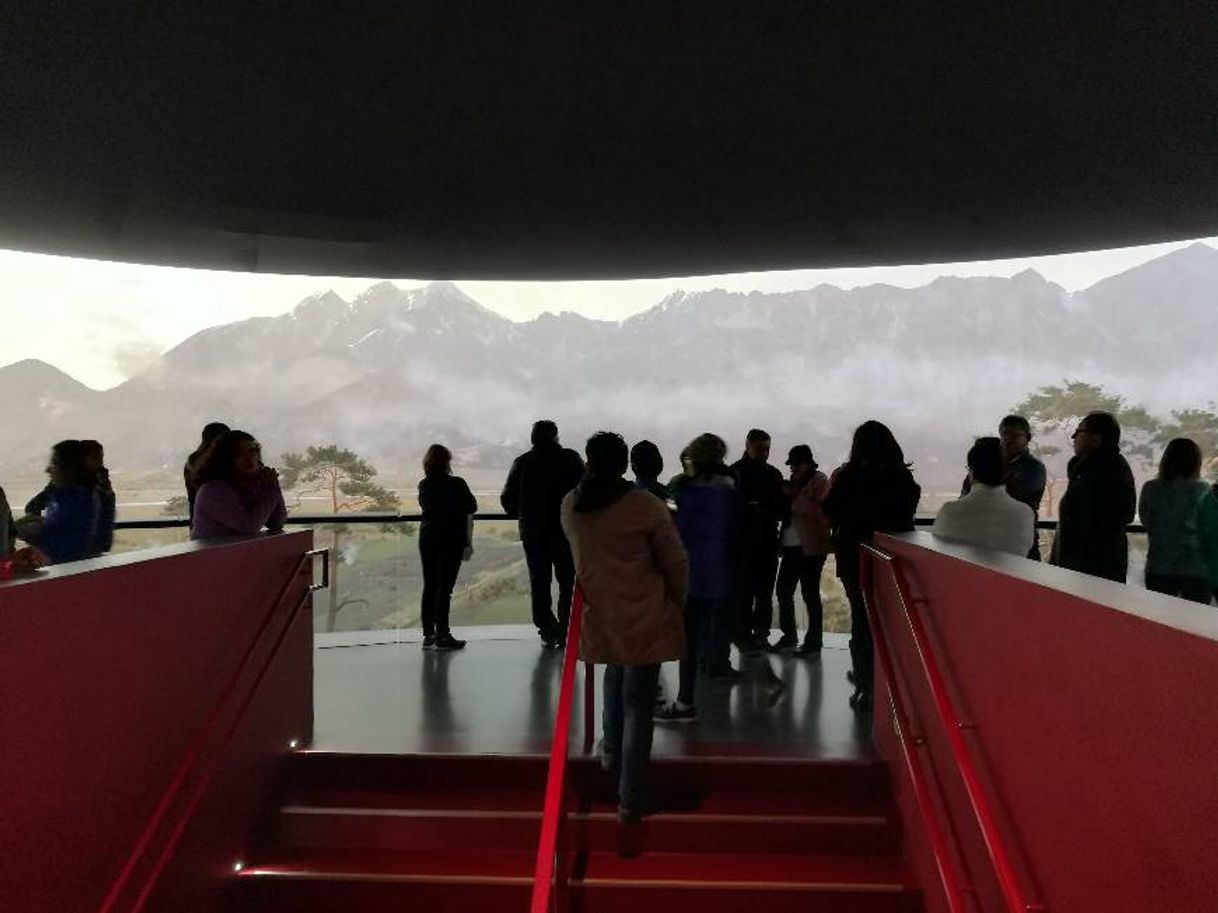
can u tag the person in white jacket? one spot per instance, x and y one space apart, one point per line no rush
987 516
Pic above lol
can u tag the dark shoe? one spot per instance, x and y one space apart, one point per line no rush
850 677
807 649
429 642
675 713
786 642
861 701
447 643
551 643
725 674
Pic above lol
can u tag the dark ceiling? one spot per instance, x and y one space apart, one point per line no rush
683 138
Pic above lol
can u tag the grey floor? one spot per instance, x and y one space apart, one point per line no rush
498 696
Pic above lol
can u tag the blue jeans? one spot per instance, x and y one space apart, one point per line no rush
630 694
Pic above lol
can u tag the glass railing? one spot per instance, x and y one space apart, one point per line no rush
376 579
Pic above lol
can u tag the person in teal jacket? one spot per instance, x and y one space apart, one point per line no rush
1169 508
1207 532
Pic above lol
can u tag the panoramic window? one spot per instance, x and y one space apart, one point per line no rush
346 382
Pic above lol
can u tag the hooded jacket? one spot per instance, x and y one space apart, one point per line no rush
633 570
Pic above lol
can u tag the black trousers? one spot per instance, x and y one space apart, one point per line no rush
549 556
862 656
755 590
1194 589
805 570
441 564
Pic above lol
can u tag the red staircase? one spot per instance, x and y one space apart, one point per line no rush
394 833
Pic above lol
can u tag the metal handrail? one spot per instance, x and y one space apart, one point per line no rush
954 885
549 875
186 768
1000 857
356 519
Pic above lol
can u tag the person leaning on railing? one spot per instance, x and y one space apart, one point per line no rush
238 496
1169 508
67 530
634 573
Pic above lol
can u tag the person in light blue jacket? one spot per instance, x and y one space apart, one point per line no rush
1168 508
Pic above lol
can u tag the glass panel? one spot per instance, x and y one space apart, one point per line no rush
130 540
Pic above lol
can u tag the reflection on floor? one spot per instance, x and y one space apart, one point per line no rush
384 694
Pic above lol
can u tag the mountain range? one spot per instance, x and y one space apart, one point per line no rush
392 370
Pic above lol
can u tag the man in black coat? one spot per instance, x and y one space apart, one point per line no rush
532 494
761 487
1099 503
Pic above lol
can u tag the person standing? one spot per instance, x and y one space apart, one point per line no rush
646 462
445 540
708 519
1207 533
761 487
635 576
237 495
211 432
8 529
95 465
873 491
988 515
1025 476
1169 508
806 541
532 495
1099 503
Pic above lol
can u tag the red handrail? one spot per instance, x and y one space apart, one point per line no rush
186 767
549 877
1000 858
954 885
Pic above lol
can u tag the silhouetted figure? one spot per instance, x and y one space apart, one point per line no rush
95 465
8 528
1098 504
237 495
1169 508
1207 534
760 485
634 574
533 495
646 462
874 491
445 540
709 512
806 542
1025 475
987 515
211 431
67 531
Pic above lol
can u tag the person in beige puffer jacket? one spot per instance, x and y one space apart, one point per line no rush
634 574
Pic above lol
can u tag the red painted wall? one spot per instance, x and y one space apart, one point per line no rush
108 670
1096 726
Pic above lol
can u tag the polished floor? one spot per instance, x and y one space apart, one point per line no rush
498 696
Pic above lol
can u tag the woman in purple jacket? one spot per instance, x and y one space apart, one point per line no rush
237 495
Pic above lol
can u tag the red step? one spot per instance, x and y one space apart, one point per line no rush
384 832
607 883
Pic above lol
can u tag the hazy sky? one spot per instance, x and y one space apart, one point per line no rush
103 321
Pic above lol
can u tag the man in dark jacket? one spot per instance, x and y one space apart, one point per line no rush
761 487
1099 503
533 494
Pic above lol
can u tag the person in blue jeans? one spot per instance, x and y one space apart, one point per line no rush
634 573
